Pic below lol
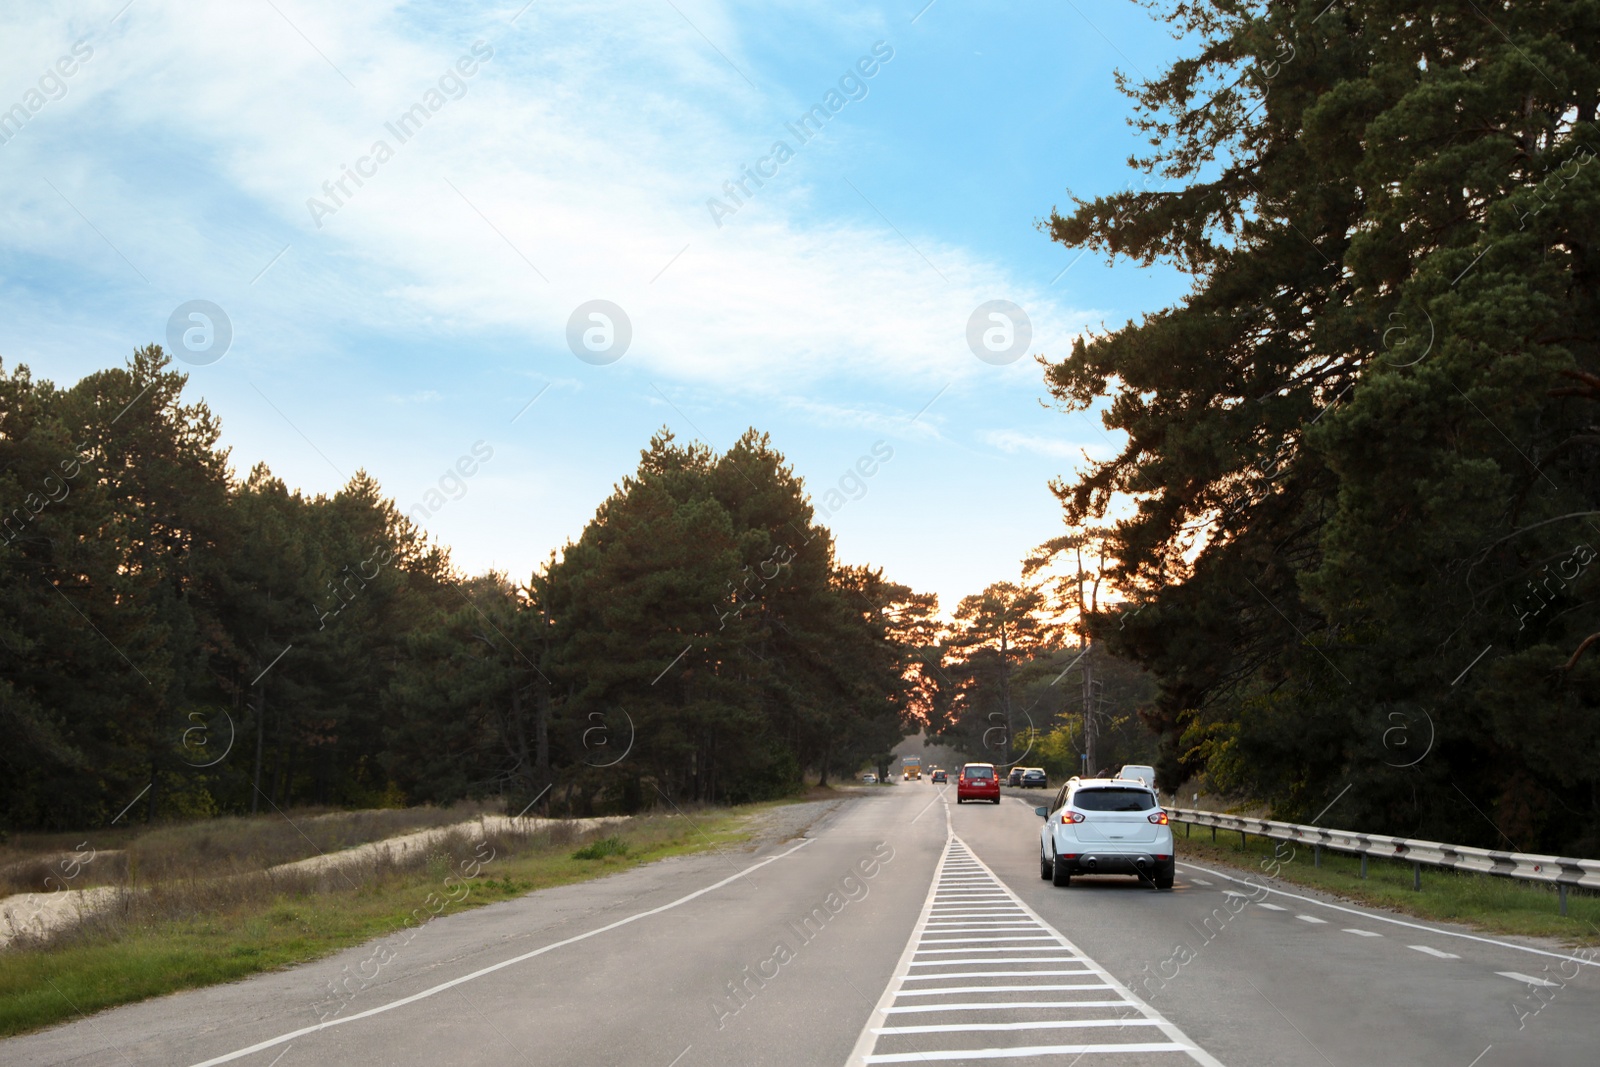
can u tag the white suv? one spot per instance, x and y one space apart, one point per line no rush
1105 826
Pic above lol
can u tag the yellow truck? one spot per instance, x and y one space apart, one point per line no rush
911 768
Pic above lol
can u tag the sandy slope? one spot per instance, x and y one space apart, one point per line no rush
41 913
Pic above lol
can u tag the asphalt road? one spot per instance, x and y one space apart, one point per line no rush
901 928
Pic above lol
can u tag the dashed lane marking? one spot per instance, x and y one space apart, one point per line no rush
1582 961
1527 979
1429 950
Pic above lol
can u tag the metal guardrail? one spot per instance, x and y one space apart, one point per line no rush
1555 870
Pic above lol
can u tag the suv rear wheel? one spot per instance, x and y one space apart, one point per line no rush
1165 873
1060 873
1045 866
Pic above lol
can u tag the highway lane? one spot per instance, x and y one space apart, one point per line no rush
775 957
901 928
1281 975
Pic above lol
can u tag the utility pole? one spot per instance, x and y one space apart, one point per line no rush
1005 696
1092 764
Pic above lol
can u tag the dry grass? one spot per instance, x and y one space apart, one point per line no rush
209 880
194 930
227 845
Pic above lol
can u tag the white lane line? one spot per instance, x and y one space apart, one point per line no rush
962 911
991 974
1025 1051
1527 979
946 916
1047 1024
984 940
1374 917
442 986
1072 1003
1054 987
1007 1006
1434 952
1360 933
997 959
941 952
1200 881
968 887
1270 907
1312 919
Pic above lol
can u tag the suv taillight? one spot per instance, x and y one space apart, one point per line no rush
1071 817
1159 818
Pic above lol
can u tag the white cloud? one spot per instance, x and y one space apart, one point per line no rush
589 144
1013 442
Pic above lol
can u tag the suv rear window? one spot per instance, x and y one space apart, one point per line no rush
978 772
1113 799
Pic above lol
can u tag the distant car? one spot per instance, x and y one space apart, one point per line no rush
1105 826
939 775
1138 772
870 779
1015 777
1035 778
978 781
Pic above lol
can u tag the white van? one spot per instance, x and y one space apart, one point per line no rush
1139 772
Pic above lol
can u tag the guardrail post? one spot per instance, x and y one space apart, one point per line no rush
1186 828
1244 842
1416 876
1213 835
1363 865
1563 889
1316 855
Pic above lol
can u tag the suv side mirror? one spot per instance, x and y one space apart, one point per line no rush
1043 813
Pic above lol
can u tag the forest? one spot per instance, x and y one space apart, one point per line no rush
1354 514
180 640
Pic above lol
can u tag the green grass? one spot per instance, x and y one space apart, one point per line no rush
599 850
1492 904
186 935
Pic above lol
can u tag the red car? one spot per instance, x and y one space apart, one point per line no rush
978 782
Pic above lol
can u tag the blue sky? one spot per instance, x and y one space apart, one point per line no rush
576 163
